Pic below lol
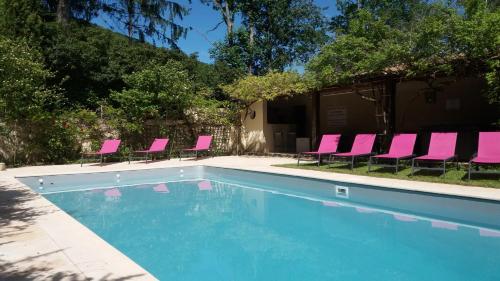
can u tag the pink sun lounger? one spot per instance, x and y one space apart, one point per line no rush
362 147
203 144
402 146
488 152
441 149
158 146
327 146
108 147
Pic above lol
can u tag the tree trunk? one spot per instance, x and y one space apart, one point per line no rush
251 41
130 18
385 106
63 12
229 19
227 16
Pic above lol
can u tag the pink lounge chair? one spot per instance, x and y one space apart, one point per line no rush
402 146
108 147
441 148
158 146
327 146
202 144
488 152
362 147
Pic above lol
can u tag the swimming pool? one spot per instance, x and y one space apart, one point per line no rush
206 223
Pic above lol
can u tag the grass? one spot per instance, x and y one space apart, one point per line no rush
453 176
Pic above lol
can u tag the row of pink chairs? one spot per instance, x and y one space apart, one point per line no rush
441 150
110 147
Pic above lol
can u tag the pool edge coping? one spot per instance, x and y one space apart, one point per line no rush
474 192
467 191
86 251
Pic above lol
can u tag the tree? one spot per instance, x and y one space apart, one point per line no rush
33 127
89 62
228 10
85 9
158 92
274 35
391 12
63 11
21 19
22 75
149 18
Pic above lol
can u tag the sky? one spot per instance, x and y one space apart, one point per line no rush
202 19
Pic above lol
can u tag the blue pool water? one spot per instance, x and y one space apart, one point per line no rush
205 223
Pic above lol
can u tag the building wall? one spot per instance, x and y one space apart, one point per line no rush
459 107
346 112
258 134
342 111
459 104
254 131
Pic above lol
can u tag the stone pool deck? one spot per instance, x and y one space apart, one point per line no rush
38 241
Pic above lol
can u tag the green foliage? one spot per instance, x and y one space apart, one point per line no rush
21 18
91 62
275 34
56 77
159 94
493 80
252 88
427 41
351 58
22 76
234 54
389 12
204 110
156 91
34 128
